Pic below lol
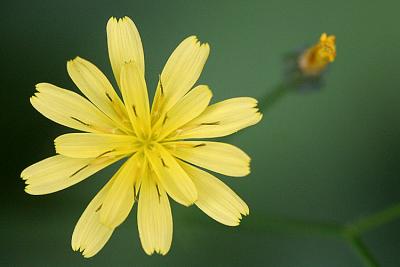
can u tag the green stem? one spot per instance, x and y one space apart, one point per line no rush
268 100
362 251
374 220
297 226
332 230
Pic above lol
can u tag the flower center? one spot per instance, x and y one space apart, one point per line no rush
147 142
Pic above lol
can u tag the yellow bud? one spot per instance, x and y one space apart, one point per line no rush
315 59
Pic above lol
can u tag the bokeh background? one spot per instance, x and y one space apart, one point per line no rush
330 156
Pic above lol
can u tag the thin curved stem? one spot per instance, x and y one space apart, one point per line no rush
297 226
269 99
331 230
375 220
362 251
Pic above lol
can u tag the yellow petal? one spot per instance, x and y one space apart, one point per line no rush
171 176
216 199
221 119
70 109
154 217
90 145
124 45
180 73
59 172
188 108
95 86
134 92
121 196
90 235
218 157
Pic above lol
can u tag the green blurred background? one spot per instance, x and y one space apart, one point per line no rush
331 155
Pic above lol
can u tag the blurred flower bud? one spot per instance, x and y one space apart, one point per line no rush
304 67
315 59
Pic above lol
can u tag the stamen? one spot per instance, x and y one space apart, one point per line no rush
163 163
75 173
199 145
106 152
99 208
134 110
161 86
165 119
210 123
134 193
78 120
158 192
109 97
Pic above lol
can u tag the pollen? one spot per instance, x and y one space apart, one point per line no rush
314 60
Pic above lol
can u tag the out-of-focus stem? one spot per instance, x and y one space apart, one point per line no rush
269 99
362 251
289 225
374 220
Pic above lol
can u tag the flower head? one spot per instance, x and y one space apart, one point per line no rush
315 59
160 142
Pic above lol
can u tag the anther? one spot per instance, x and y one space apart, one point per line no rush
82 122
134 110
200 145
105 153
109 97
158 192
99 208
76 172
163 163
161 85
210 123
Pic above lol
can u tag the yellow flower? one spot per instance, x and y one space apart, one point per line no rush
161 162
315 59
